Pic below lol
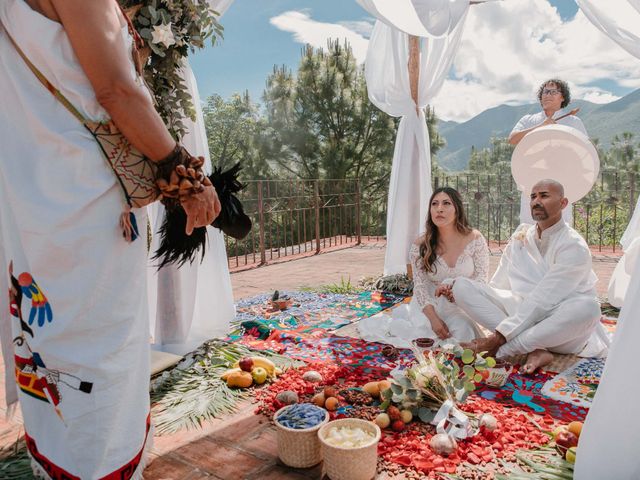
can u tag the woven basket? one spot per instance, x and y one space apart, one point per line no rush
299 448
350 463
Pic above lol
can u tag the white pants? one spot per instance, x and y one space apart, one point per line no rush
567 329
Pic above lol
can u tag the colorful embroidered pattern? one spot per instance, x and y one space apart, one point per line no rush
576 385
39 304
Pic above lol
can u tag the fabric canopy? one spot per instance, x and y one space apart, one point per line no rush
422 18
388 83
618 19
194 303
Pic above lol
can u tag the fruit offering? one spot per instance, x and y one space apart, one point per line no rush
348 437
301 416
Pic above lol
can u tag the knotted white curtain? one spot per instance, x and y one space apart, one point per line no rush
194 303
388 83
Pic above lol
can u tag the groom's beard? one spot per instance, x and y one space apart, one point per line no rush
538 212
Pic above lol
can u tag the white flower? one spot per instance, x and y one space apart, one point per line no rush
521 234
163 34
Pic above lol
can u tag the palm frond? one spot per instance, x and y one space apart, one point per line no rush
15 463
193 391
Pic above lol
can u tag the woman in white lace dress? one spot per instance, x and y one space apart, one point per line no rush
449 249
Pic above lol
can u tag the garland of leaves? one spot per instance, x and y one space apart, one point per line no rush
194 392
171 29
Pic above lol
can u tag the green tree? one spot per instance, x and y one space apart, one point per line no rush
233 134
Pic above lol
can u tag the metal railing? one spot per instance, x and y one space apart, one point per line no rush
297 217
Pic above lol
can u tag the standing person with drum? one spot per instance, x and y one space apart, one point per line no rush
554 96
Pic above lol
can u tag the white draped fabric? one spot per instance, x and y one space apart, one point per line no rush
611 433
422 18
194 303
387 75
620 21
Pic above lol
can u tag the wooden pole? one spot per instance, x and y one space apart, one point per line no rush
414 67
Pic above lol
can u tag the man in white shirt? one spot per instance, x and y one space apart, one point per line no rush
554 95
542 298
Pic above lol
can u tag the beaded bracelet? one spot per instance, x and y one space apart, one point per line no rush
180 174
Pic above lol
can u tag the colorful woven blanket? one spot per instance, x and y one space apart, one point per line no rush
576 385
526 392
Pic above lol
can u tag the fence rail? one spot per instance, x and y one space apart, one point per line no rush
293 217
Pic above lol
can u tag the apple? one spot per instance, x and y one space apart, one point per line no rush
246 364
394 413
564 441
259 375
397 426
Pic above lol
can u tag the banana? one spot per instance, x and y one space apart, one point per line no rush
265 363
226 374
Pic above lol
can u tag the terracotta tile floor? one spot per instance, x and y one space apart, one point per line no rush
243 445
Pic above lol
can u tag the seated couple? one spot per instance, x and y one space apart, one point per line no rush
541 299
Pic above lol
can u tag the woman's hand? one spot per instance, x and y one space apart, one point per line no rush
201 208
440 328
446 290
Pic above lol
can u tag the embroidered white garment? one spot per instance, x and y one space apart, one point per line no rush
408 321
77 327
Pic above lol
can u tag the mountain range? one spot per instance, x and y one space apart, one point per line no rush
602 121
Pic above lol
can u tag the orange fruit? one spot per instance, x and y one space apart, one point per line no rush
575 428
331 404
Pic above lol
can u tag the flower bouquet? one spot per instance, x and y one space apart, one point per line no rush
439 381
171 29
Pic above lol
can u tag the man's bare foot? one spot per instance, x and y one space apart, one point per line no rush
535 360
491 344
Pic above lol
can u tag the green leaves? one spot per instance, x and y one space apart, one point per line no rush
467 356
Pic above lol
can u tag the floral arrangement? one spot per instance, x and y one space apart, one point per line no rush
171 29
441 377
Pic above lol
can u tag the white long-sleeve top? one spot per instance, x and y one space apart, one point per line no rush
472 263
543 271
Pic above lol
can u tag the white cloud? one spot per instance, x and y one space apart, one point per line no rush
507 49
306 30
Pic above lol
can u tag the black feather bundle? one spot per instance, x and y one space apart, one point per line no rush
176 247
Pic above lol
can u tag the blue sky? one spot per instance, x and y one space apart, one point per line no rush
558 40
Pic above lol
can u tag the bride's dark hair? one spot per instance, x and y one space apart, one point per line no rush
431 235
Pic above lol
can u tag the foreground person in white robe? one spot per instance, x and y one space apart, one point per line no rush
554 97
76 330
453 250
542 298
610 438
